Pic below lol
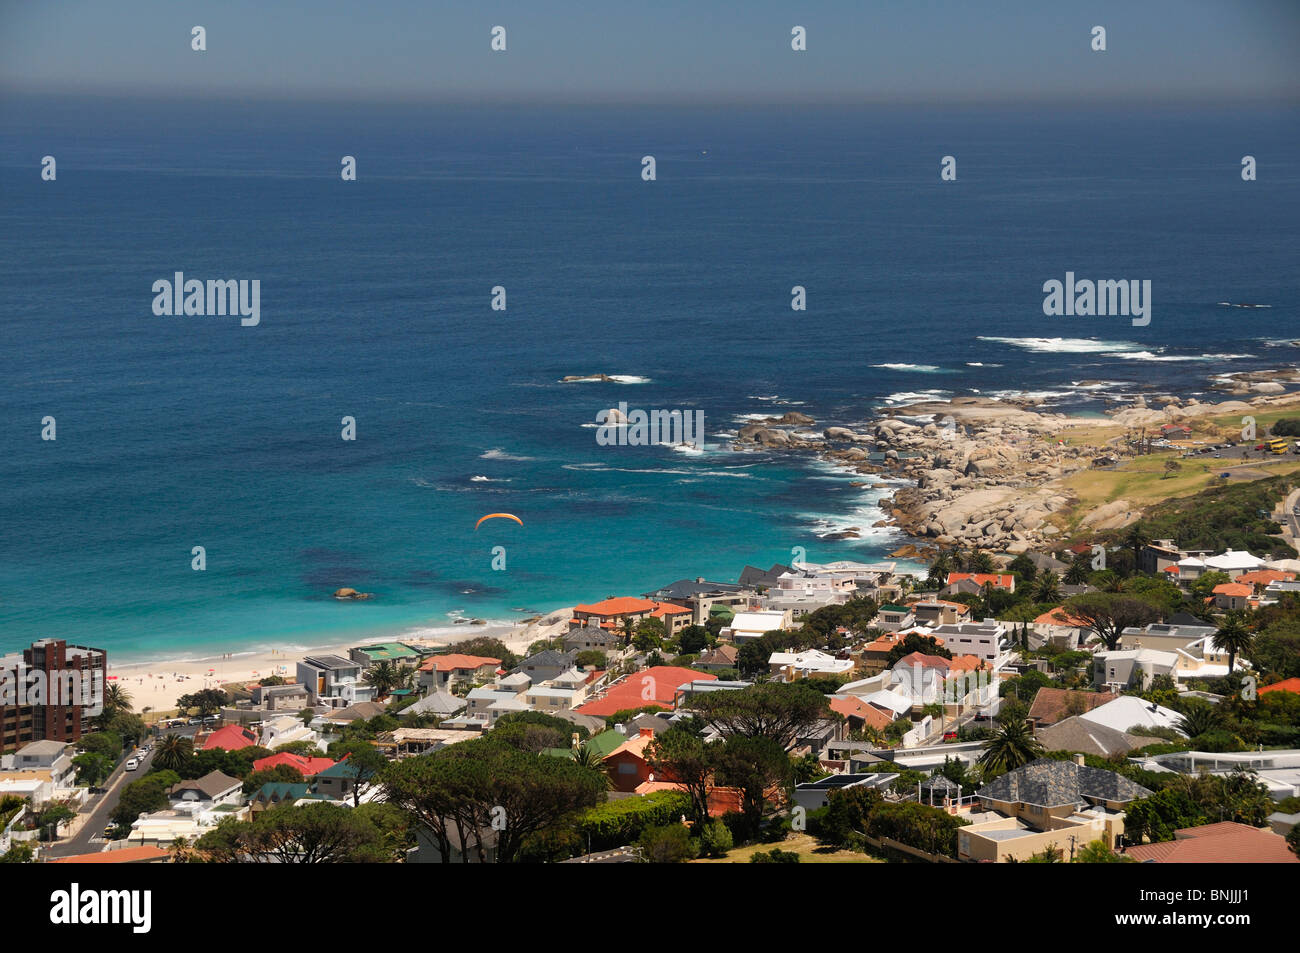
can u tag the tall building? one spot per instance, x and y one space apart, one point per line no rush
49 691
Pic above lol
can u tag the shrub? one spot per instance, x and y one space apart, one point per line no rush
619 823
774 856
670 844
715 839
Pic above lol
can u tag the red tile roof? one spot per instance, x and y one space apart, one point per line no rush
856 708
230 738
1262 577
667 608
455 662
1059 616
658 683
999 580
1287 685
621 605
1223 843
925 661
127 855
307 767
1232 589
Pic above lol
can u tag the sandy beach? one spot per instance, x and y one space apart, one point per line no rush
156 685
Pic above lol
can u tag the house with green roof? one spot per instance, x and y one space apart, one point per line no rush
601 745
277 792
399 653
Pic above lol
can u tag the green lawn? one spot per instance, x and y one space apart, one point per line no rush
809 851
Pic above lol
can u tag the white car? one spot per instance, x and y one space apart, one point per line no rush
133 764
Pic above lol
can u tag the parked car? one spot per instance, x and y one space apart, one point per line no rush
132 764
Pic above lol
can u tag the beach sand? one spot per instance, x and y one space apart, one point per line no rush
157 685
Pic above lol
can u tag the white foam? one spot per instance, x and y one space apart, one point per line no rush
1065 345
919 368
496 453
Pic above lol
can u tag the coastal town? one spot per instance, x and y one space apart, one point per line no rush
1027 689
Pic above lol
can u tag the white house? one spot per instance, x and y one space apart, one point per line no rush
980 639
1129 711
748 626
795 665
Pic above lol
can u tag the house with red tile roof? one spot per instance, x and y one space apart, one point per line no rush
127 855
1051 705
974 582
229 738
1232 595
441 671
860 715
307 767
1226 842
653 686
610 613
628 764
1260 578
1287 685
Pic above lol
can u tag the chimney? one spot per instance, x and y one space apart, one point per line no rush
1079 760
647 732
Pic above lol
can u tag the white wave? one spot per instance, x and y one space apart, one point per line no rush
1171 358
616 378
487 479
496 453
919 368
1065 345
916 396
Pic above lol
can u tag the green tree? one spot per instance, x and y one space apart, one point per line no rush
173 752
208 701
1235 637
670 844
92 768
779 711
1047 588
116 699
311 834
716 839
693 639
1099 852
682 756
1012 746
755 765
1109 614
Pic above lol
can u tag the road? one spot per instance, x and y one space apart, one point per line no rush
90 837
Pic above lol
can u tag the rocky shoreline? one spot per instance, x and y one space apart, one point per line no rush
986 472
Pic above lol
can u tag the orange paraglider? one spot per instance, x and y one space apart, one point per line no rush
494 516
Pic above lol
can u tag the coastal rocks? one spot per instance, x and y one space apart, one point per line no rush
351 594
763 436
613 416
844 434
792 418
585 378
1111 515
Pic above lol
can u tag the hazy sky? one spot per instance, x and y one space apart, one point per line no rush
658 50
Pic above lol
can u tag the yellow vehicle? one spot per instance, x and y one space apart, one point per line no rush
1277 445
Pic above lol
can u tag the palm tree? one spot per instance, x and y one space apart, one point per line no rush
173 751
1047 588
1234 637
1079 570
1135 539
404 676
1012 746
381 678
1197 720
939 570
979 561
116 698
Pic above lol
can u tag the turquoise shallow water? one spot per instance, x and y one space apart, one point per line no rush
182 431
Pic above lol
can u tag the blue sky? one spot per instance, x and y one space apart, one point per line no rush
944 51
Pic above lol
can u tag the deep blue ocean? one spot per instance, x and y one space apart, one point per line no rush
179 431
